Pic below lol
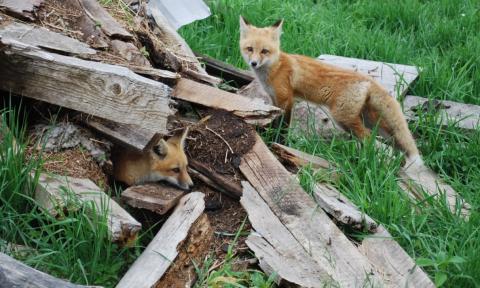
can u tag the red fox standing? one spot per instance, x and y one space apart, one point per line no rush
346 93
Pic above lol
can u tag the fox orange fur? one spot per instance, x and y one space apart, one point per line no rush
165 161
346 93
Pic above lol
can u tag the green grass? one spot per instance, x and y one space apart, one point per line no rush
439 36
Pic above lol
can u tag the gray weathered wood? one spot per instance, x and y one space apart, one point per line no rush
103 90
129 52
392 262
162 250
44 38
157 197
341 208
396 78
277 249
312 228
466 116
106 22
13 274
255 112
21 8
54 191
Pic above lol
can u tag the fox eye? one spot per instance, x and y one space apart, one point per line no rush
265 51
250 49
176 170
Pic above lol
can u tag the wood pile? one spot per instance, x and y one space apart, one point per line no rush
101 75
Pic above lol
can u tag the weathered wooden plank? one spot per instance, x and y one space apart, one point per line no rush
103 90
312 228
421 180
149 268
23 9
277 249
129 52
43 38
393 263
396 78
341 208
226 71
13 273
106 22
158 198
255 112
299 158
229 188
52 193
466 116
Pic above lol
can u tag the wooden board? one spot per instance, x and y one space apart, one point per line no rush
43 38
106 22
158 198
52 193
13 273
226 71
312 228
300 158
255 112
149 268
466 116
396 78
103 90
277 249
228 187
23 9
393 263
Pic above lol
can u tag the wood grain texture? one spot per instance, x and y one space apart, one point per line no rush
393 263
396 78
44 38
14 274
107 23
466 116
23 9
277 249
156 197
300 158
312 228
149 268
52 193
103 90
255 112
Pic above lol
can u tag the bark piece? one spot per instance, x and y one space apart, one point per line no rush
255 112
106 22
466 116
52 193
312 228
13 273
107 91
229 188
23 9
43 38
162 251
393 263
156 197
226 71
277 249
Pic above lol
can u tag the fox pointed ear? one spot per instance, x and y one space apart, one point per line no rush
244 25
161 149
184 137
277 26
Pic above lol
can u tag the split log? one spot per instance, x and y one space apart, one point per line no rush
106 22
103 90
13 273
52 194
158 198
255 112
24 9
393 263
229 188
162 251
226 71
43 38
312 228
277 249
466 116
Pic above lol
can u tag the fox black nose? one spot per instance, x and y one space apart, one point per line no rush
254 63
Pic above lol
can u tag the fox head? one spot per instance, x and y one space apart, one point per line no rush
260 47
170 162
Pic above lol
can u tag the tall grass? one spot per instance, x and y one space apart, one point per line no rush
441 37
